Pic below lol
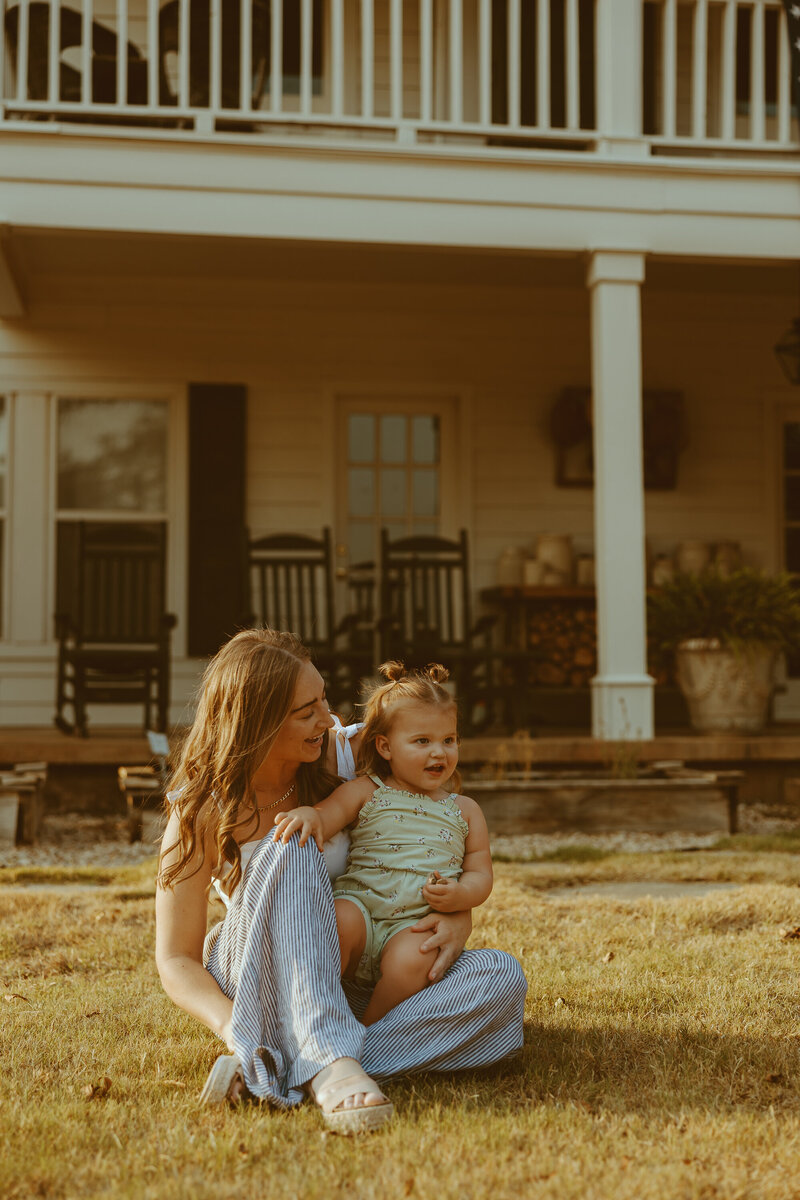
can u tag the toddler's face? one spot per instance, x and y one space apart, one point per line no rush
421 746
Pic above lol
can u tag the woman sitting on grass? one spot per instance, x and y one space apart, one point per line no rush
415 845
267 980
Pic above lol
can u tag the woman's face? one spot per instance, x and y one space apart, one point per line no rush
300 737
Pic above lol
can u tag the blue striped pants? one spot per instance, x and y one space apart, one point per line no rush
277 957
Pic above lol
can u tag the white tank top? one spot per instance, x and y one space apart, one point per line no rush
335 851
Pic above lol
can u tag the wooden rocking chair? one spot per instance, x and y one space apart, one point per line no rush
114 639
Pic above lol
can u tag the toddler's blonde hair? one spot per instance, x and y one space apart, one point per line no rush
423 686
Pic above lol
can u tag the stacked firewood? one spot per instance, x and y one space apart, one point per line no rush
562 641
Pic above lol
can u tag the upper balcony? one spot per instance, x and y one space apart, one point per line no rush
705 78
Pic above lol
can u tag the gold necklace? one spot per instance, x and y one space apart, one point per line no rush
275 803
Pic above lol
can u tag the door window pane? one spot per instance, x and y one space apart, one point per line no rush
361 437
426 494
390 476
425 439
361 491
427 527
393 439
112 455
360 542
397 529
393 493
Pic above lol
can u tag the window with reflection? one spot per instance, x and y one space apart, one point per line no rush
112 456
111 467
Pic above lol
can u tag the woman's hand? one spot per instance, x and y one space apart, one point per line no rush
448 935
307 820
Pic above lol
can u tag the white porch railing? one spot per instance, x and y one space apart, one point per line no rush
717 75
404 69
524 73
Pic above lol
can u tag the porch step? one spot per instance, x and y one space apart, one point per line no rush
113 746
103 747
569 748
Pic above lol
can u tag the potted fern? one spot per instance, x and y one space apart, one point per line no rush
724 633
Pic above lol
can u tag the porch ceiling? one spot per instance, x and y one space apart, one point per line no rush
114 746
37 255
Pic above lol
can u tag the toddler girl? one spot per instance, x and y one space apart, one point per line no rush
415 844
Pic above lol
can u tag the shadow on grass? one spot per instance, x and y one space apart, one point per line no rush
601 1069
645 1072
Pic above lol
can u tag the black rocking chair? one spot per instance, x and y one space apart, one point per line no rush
114 639
290 585
426 615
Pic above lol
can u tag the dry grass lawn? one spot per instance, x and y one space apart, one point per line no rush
661 1057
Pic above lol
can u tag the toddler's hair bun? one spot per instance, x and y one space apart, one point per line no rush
437 672
393 670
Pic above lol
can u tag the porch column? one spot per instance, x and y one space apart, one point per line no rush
622 691
29 617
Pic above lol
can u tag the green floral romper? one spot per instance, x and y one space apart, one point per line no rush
398 840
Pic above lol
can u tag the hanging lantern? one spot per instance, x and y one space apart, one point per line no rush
787 352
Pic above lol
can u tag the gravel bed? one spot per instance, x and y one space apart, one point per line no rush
77 840
528 846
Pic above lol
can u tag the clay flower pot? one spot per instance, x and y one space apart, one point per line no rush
725 689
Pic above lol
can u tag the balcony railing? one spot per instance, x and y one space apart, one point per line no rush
717 75
521 73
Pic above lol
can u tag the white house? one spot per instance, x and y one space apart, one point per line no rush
420 221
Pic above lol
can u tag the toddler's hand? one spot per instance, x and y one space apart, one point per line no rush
442 894
306 820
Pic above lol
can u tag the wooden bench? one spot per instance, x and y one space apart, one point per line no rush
667 798
143 789
21 803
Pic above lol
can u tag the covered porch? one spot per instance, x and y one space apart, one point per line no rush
479 345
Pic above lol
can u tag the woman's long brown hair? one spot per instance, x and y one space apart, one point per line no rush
245 697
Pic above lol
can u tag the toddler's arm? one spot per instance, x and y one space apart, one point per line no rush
475 884
326 818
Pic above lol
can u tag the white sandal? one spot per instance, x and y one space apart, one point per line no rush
225 1081
334 1084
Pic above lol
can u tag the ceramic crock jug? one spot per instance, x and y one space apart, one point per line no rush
509 567
554 552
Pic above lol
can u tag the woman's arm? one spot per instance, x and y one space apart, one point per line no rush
181 913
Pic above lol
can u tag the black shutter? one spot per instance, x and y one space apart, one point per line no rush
216 601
